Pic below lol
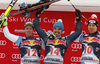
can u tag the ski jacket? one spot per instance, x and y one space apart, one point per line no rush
55 49
30 48
90 48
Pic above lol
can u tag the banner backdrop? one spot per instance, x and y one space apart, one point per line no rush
9 51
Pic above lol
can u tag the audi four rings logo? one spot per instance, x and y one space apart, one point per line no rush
75 59
83 32
42 57
76 46
14 44
16 56
2 55
3 42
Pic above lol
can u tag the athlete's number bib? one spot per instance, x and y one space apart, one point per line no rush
54 51
31 52
88 50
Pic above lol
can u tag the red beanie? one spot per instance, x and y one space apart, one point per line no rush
93 19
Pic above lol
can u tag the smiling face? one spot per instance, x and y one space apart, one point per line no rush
92 28
29 30
57 31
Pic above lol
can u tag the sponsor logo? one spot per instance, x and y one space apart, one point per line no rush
2 55
42 57
30 42
53 59
56 42
14 44
87 58
83 32
92 21
3 42
75 59
76 46
19 31
23 31
90 58
91 39
16 56
30 61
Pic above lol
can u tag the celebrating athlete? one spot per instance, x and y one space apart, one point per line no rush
56 46
30 46
91 42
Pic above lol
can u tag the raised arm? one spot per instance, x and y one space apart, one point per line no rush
39 30
10 36
78 31
6 32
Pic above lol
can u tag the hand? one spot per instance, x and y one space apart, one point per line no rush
78 14
49 32
39 11
51 36
3 20
76 21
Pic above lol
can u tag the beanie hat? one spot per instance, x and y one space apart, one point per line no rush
93 19
59 24
28 23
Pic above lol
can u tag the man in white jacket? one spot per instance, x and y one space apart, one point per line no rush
30 46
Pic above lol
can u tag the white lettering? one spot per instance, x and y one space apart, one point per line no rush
13 19
23 19
47 20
